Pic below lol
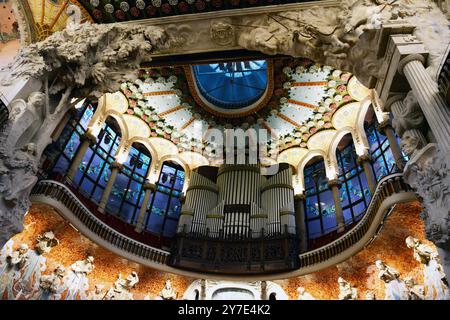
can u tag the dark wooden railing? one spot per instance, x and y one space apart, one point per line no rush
62 194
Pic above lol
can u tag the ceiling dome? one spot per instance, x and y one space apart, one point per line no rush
232 85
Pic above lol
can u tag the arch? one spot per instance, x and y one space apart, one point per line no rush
299 179
335 143
147 145
120 121
176 158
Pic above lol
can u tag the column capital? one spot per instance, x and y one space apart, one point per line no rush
182 198
334 183
300 197
392 99
116 165
149 186
364 158
385 124
409 58
88 136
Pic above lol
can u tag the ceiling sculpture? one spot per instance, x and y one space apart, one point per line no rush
301 100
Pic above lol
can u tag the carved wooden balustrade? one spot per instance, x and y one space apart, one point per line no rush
61 193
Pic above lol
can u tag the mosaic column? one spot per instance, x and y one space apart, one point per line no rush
426 91
115 168
386 128
300 221
149 188
365 162
334 185
87 140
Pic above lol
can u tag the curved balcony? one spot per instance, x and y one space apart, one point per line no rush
390 191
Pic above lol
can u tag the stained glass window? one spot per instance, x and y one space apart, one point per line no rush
319 203
165 205
232 85
127 194
61 152
354 192
383 161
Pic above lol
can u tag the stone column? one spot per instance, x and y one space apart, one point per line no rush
388 131
334 185
426 91
203 289
88 139
115 168
149 188
300 221
264 290
365 162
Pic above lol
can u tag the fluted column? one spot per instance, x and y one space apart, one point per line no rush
426 91
365 162
87 140
115 168
300 221
149 188
334 185
388 131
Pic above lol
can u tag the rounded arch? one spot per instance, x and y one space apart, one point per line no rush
335 143
147 145
175 158
298 179
120 121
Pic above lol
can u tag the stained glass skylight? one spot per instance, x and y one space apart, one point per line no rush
232 85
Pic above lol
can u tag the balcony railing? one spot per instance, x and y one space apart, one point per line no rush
62 195
390 190
388 186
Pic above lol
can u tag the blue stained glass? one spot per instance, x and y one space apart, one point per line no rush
232 85
314 229
87 116
170 227
72 146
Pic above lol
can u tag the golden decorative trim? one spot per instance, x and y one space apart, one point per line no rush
187 124
214 216
206 188
158 93
172 110
198 100
288 120
303 104
309 84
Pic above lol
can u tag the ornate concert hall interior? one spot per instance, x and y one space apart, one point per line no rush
224 150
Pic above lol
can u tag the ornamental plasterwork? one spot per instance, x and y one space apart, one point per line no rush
303 103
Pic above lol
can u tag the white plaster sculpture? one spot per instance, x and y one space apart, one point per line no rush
84 60
45 242
416 291
303 295
52 285
346 291
77 282
370 295
395 288
168 293
98 293
434 277
121 288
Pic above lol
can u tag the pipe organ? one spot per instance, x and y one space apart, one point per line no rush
240 204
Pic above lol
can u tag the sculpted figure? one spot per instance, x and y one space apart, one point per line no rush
52 285
435 282
45 242
98 293
168 293
370 295
121 288
19 257
346 291
303 295
77 282
395 288
416 292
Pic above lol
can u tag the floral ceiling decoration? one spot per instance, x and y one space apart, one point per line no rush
304 98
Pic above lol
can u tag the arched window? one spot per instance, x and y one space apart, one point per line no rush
165 205
319 203
93 172
60 153
354 192
127 194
